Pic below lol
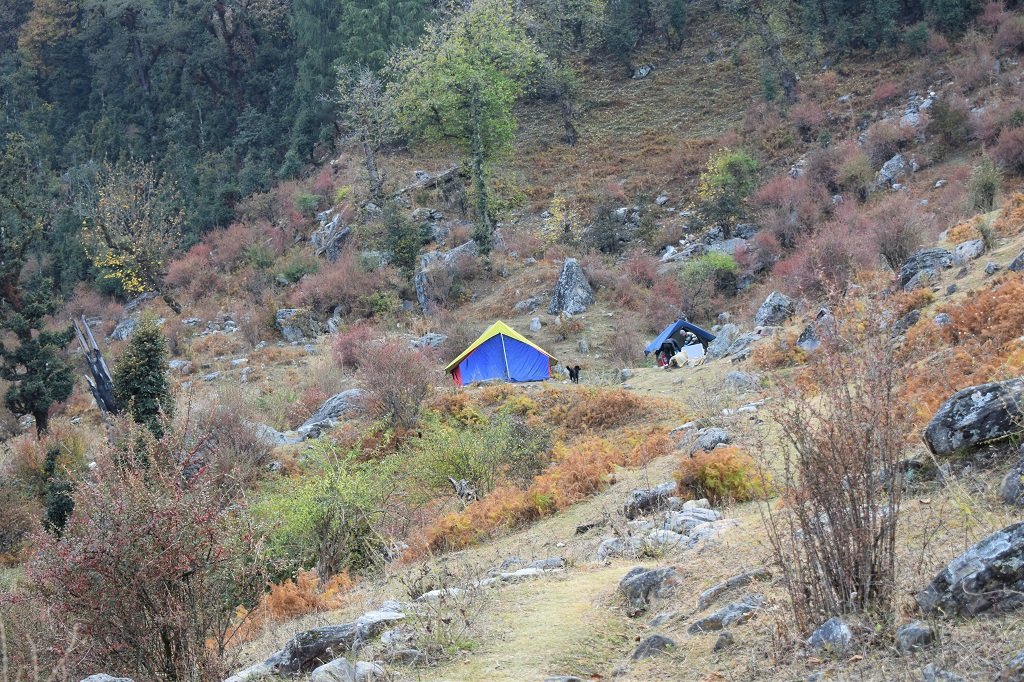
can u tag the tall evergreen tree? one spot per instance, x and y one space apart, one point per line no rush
140 378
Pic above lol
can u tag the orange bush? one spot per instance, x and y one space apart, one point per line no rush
1011 220
725 474
903 302
778 352
591 408
961 232
289 600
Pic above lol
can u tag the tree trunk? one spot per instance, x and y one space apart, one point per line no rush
482 234
42 418
568 113
169 300
376 181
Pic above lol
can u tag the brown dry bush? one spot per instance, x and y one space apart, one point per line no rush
885 140
1009 150
591 409
398 380
844 432
1011 220
898 227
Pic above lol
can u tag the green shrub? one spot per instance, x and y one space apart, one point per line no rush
715 269
725 185
307 204
297 265
725 474
916 38
983 186
140 378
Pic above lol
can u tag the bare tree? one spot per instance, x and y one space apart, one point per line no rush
366 112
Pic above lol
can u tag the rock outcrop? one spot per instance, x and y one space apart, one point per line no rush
437 272
975 415
1011 489
296 324
642 501
321 645
328 414
775 310
924 261
987 577
572 294
652 646
642 585
736 613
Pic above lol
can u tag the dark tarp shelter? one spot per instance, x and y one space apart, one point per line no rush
673 336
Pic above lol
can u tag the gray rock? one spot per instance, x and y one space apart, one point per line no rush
964 252
253 673
1017 265
407 656
435 274
324 644
616 547
642 501
688 519
330 237
728 246
952 289
922 279
906 322
642 71
914 636
652 646
710 595
431 340
661 200
1011 490
328 413
212 376
103 677
563 678
736 613
548 564
183 367
625 375
296 324
742 381
338 670
893 170
710 438
933 259
573 294
989 576
1014 671
724 641
975 415
942 319
641 585
719 348
932 673
273 437
583 346
992 268
535 324
834 637
775 310
746 230
125 328
528 305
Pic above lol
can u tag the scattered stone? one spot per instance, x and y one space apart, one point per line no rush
330 237
642 71
1011 490
549 564
431 340
914 636
535 324
975 415
212 376
125 328
992 268
528 305
296 324
987 577
407 657
906 322
932 673
583 346
625 374
103 677
742 381
652 646
736 613
641 585
926 260
1017 265
895 169
573 294
661 200
642 501
952 289
273 437
942 319
710 595
1014 671
563 678
724 641
775 310
710 438
834 637
964 252
338 670
253 673
328 413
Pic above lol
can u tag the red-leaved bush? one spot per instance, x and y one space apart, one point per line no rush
350 343
1009 150
148 572
398 380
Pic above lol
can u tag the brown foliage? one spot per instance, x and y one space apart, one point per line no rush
1009 150
723 475
1011 220
398 380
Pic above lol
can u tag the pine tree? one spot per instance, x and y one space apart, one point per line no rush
140 379
39 376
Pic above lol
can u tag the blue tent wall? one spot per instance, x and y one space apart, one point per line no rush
671 330
488 361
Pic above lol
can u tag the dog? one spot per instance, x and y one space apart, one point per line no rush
574 374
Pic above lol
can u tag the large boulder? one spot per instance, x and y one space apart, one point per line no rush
330 237
924 261
894 170
320 645
775 310
987 577
573 294
437 272
642 501
719 348
333 408
975 415
296 324
641 585
964 252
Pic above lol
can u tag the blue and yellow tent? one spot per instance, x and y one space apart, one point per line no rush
501 353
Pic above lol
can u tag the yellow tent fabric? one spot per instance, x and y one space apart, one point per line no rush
498 327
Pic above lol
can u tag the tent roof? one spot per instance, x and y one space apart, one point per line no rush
495 329
672 329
